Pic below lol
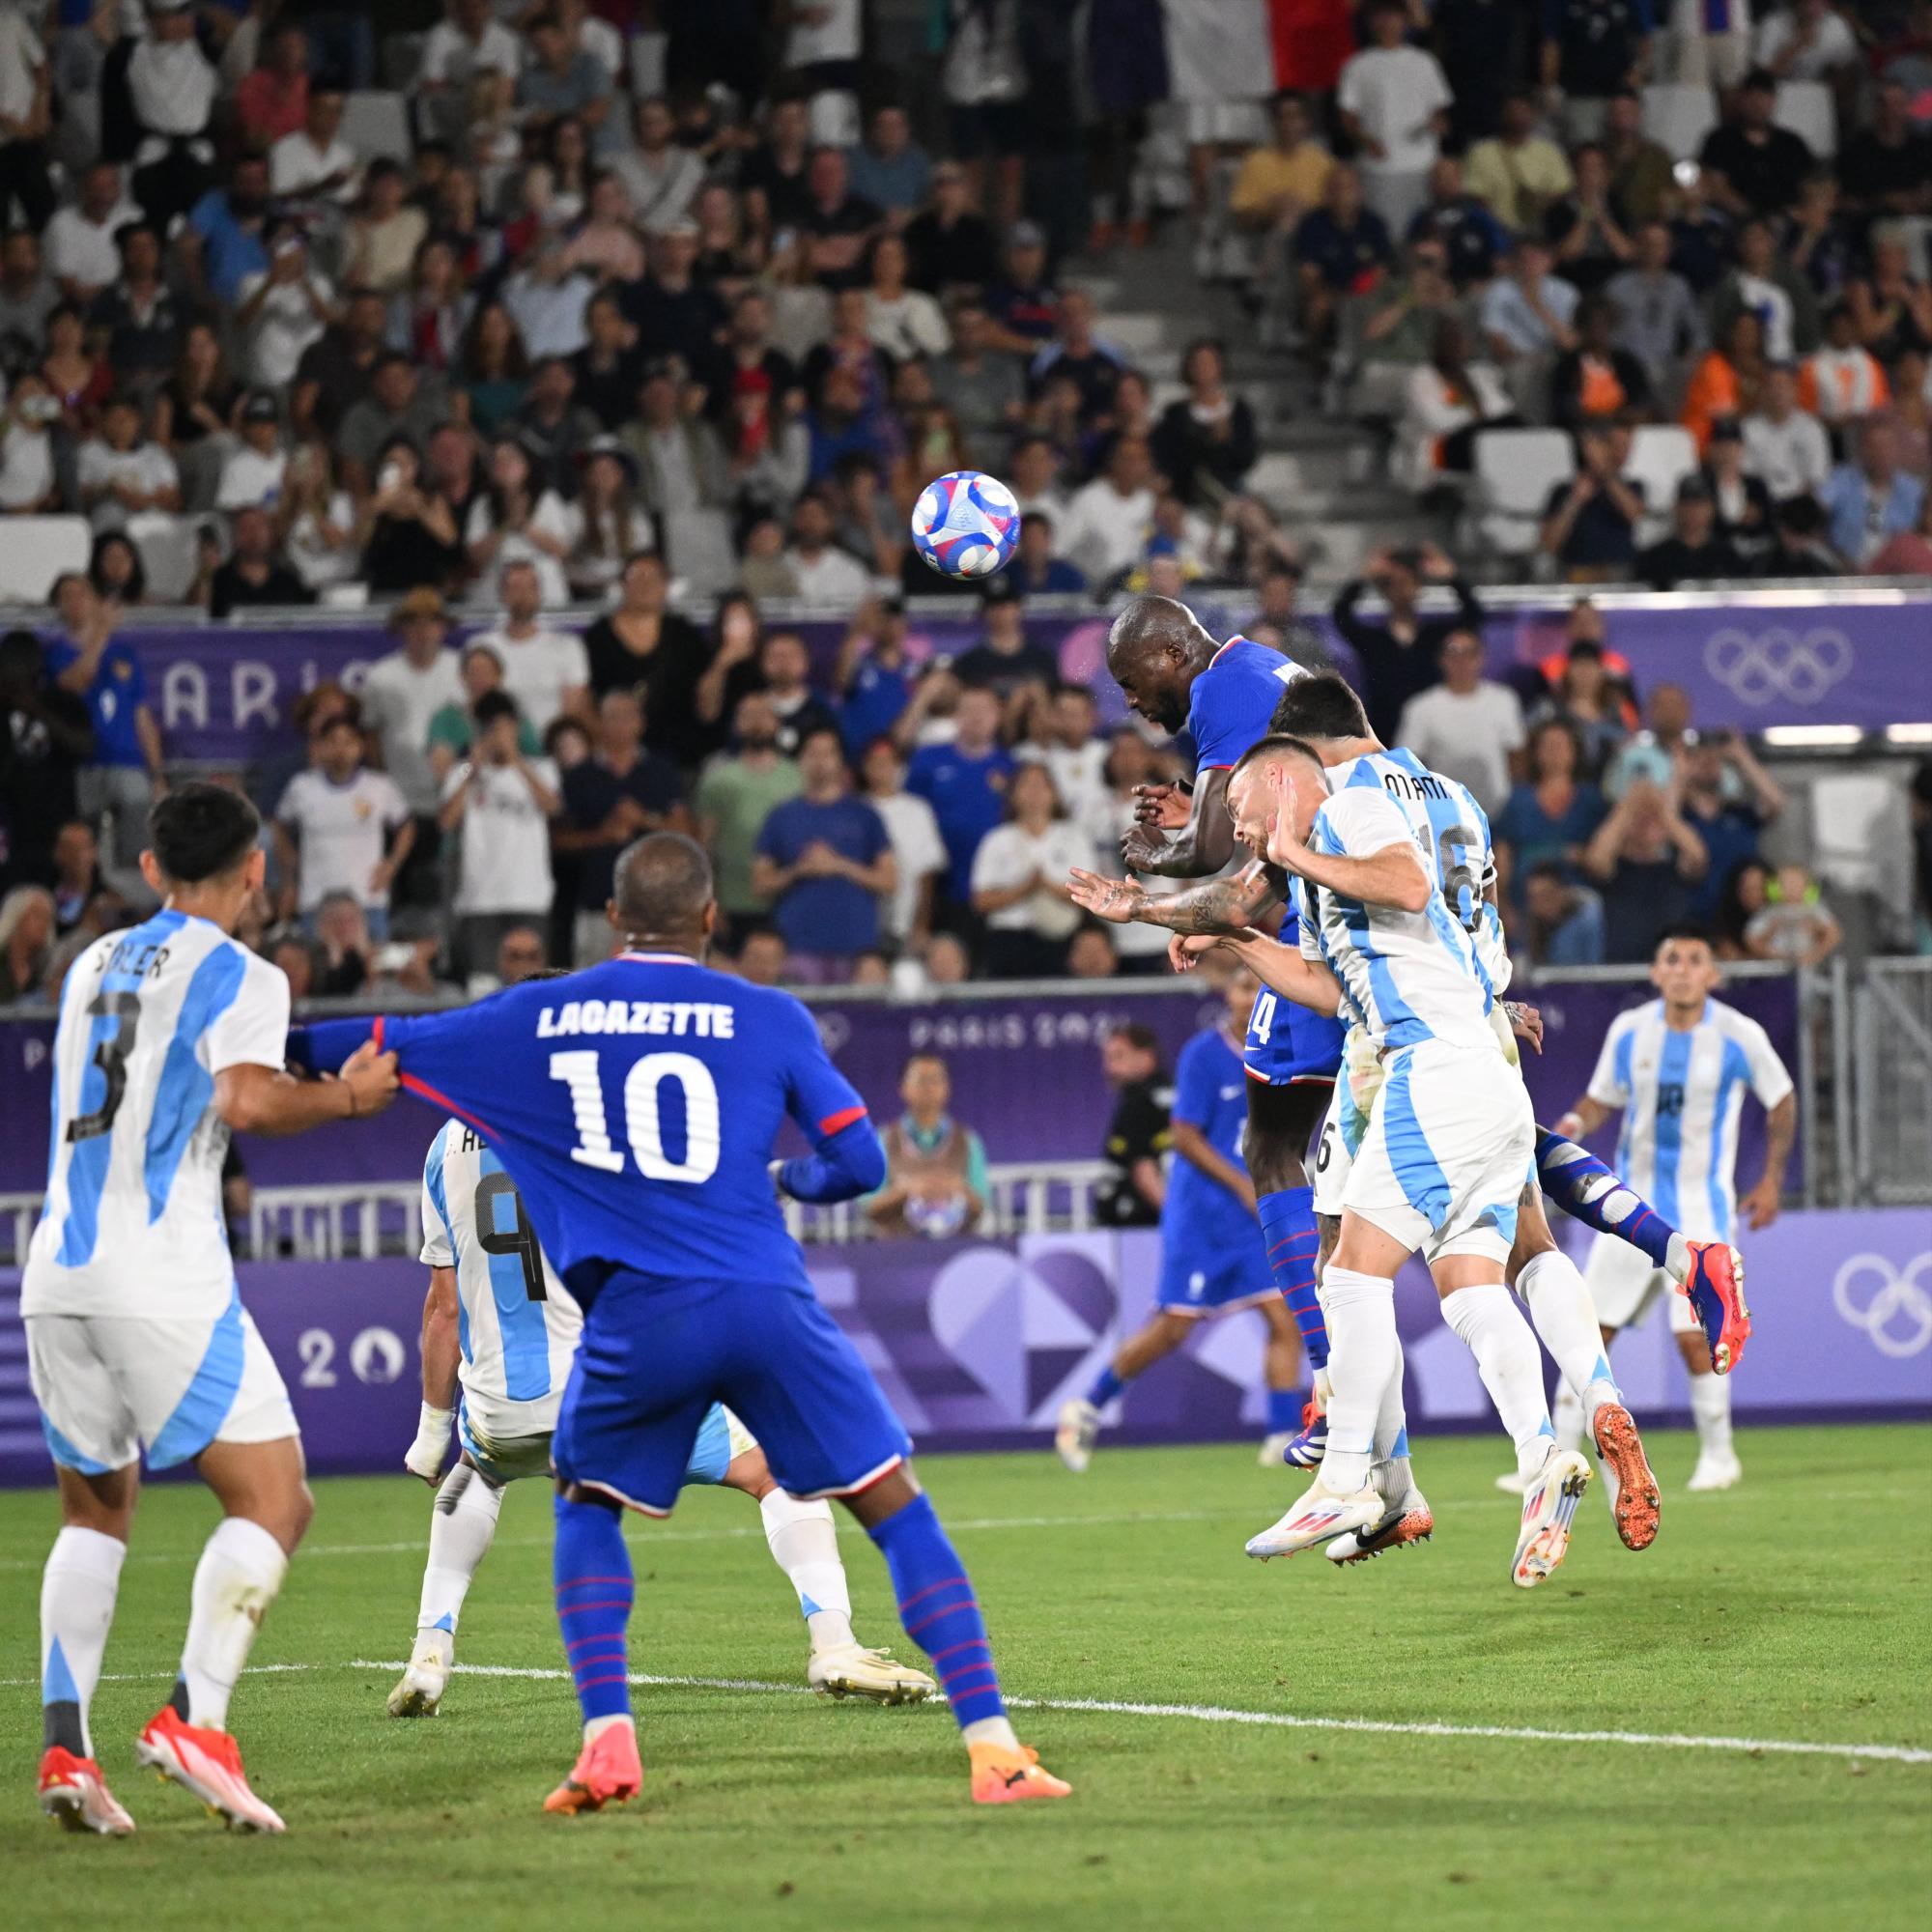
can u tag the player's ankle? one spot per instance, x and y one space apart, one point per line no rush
595 1728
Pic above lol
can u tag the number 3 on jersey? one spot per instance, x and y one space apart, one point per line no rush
643 1124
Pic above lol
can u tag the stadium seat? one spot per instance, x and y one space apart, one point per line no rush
698 548
33 551
1661 455
168 552
1515 472
377 124
1806 108
1678 115
648 64
1275 479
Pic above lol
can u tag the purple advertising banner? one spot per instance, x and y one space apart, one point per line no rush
1026 1074
1756 658
977 1343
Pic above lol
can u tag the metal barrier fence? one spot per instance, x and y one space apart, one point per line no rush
1890 1127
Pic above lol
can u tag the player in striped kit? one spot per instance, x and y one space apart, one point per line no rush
1678 1067
170 1035
498 1322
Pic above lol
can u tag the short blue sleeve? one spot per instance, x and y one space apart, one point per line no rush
1195 1083
1220 729
775 842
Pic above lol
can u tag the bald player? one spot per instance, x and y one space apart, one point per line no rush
1175 675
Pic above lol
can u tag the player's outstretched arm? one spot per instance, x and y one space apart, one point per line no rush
1204 844
255 1100
847 1160
1306 982
844 1166
1215 905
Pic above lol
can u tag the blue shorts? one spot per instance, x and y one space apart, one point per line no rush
1286 1042
656 1356
506 1459
1193 1283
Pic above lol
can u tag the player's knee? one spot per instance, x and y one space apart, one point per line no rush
1274 1164
300 1515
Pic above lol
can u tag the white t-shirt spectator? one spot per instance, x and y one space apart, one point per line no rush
835 579
297 167
248 479
1393 91
552 515
1010 855
450 57
171 88
21 58
398 702
146 467
341 832
1790 458
1468 736
1832 47
79 250
504 865
918 851
318 563
1104 532
909 325
538 670
26 466
1079 774
1775 313
285 327
833 35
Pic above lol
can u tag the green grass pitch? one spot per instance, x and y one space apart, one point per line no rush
1795 1608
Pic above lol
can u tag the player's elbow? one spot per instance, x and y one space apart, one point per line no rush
244 1103
1414 891
866 1161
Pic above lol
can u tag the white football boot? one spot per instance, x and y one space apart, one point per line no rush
851 1670
1079 1430
1549 1509
1717 1469
1321 1515
420 1689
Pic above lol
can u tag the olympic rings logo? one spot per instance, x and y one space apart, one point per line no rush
1898 1313
1759 667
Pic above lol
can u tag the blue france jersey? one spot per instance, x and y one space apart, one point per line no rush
516 1323
1407 976
1682 1093
636 1105
1210 1092
1232 700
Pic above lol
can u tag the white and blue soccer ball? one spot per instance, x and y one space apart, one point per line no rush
966 523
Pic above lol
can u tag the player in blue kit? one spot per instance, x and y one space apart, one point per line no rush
1211 1257
1173 674
636 1105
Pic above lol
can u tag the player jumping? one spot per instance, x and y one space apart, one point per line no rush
170 1035
1173 674
496 1318
1678 1066
636 1105
1211 1257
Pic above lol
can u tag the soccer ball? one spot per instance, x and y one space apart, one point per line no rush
966 523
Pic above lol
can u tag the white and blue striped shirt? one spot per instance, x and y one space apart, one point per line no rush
517 1324
133 1221
1408 976
1682 1093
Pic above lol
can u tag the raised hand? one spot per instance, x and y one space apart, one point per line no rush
1115 901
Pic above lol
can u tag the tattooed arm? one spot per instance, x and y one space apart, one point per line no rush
1227 905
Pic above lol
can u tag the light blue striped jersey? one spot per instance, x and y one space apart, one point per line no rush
133 1221
517 1324
1408 976
1682 1093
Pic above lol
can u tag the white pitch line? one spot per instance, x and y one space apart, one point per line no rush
1199 1714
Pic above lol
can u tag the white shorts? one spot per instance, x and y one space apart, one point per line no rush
1449 1144
110 1387
722 1438
1625 1286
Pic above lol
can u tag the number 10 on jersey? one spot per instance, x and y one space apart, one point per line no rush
643 1126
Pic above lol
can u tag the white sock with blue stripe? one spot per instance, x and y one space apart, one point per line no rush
77 1592
460 1534
805 1546
1488 1318
1363 1354
241 1570
1565 1318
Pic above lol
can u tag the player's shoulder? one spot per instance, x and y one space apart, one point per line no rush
1735 1024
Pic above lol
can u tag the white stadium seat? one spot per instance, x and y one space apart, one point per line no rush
1515 469
1677 115
168 547
1806 108
1661 455
376 123
33 551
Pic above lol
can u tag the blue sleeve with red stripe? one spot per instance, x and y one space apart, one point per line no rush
847 1160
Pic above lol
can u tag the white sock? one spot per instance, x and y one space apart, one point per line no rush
806 1547
1677 1257
1391 1472
241 1570
1710 1409
77 1592
1565 1320
1488 1319
595 1728
990 1731
1363 1353
460 1534
1566 1415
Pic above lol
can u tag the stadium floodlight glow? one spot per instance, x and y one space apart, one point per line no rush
1812 737
1908 734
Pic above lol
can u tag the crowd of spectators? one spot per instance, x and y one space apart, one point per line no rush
1477 231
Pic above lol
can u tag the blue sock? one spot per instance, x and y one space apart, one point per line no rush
594 1591
1284 1411
1107 1386
937 1607
1290 1234
1577 1182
